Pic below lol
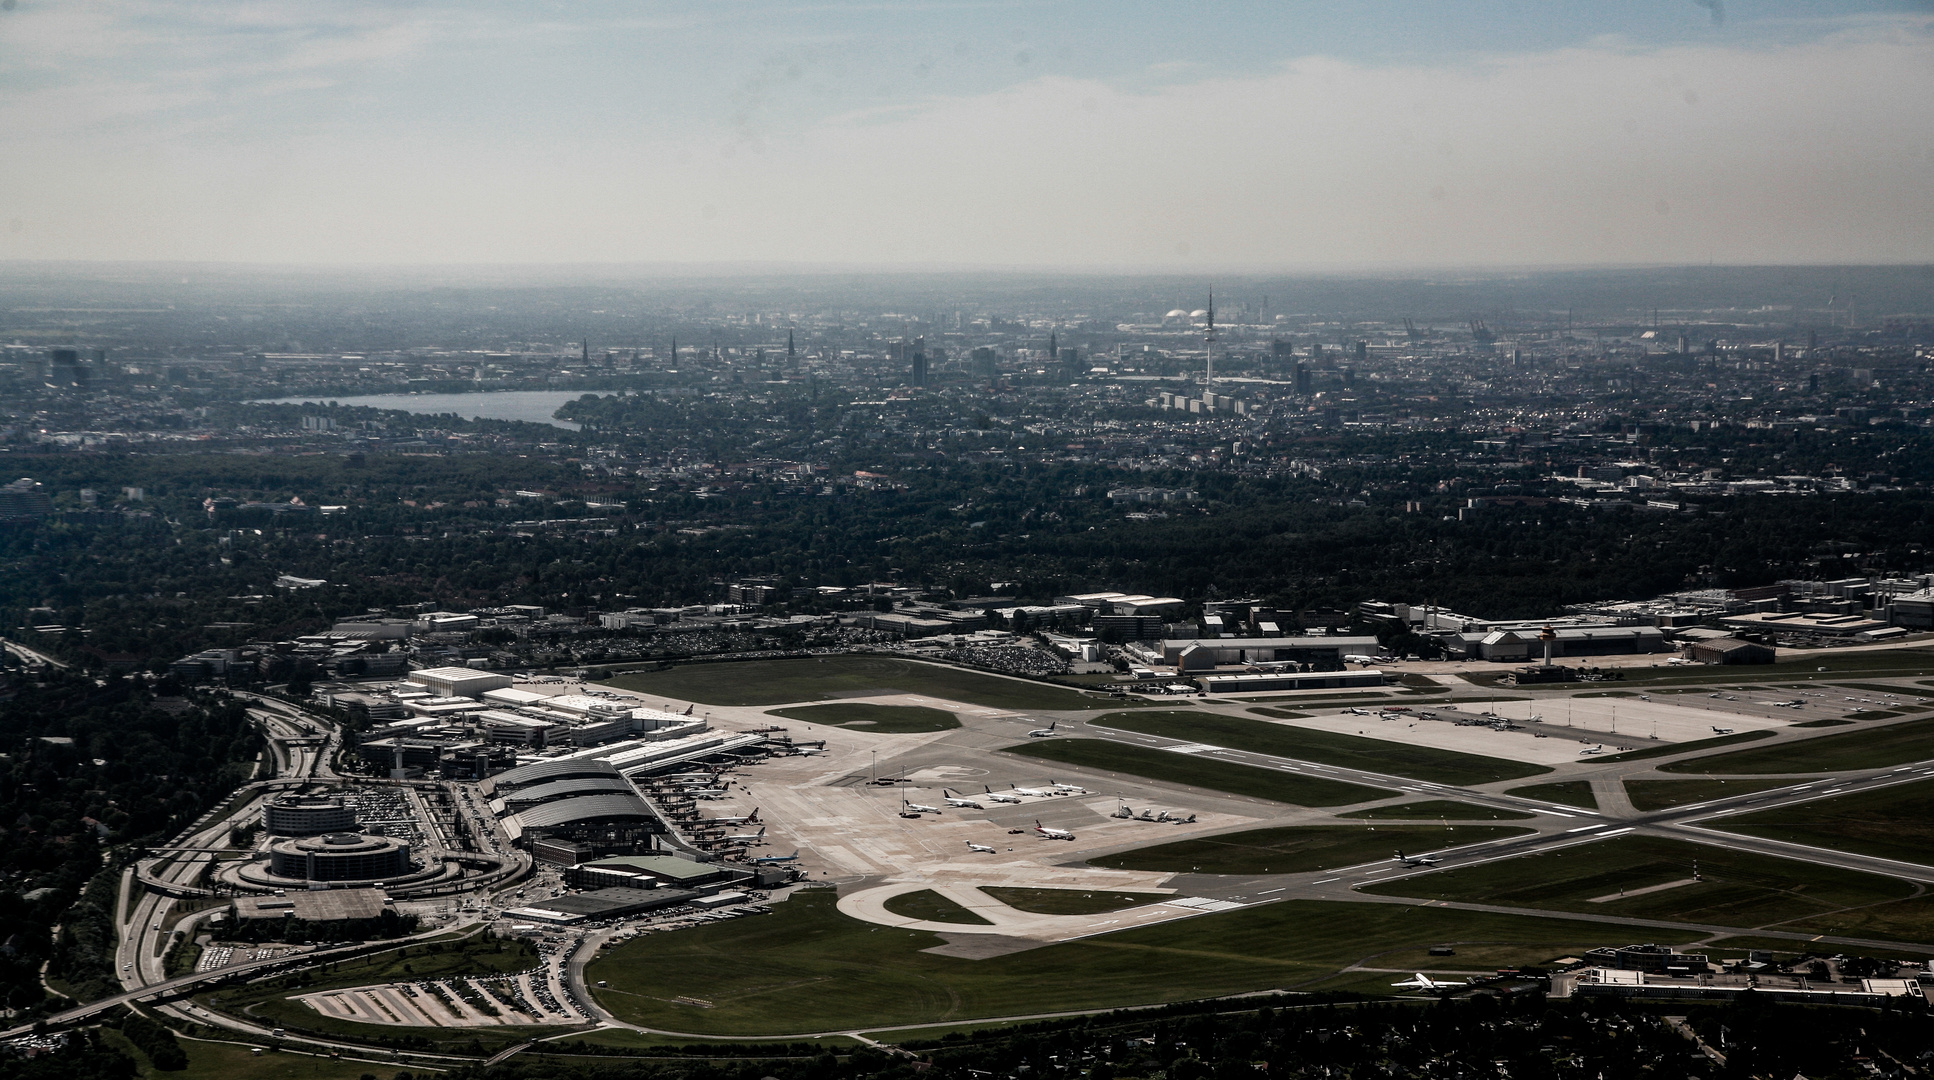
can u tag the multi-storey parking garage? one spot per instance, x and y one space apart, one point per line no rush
340 857
308 815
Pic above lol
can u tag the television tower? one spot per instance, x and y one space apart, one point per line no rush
1208 339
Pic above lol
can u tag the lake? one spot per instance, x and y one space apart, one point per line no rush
534 406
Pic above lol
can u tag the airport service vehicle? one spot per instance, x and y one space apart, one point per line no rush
1052 834
919 808
952 799
1045 732
1421 981
1416 860
982 848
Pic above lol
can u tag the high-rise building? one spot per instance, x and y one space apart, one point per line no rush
919 369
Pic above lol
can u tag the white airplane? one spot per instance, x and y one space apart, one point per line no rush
1359 712
1599 749
774 860
807 751
919 808
1045 732
1416 860
991 797
1033 792
982 848
1358 658
746 838
1069 789
1052 834
1723 730
955 800
1421 981
749 819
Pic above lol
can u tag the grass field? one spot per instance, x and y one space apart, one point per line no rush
885 719
1874 748
229 1061
808 968
1347 751
1443 809
929 905
1300 848
1564 793
1298 789
1697 744
1891 823
776 682
1280 714
1737 888
1069 901
1829 722
1665 794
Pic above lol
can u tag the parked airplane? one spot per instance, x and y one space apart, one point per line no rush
1052 834
982 848
1599 749
1069 789
807 751
919 808
991 797
1723 730
1424 982
748 819
955 800
1033 792
746 838
1358 658
1417 860
1045 732
774 860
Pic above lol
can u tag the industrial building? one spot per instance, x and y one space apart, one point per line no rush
307 815
1729 650
1290 680
1525 642
340 857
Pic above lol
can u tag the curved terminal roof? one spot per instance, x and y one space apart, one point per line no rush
584 808
543 772
567 789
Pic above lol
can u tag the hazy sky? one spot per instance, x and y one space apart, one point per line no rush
1287 134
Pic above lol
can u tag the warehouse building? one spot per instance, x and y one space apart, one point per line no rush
457 682
1318 652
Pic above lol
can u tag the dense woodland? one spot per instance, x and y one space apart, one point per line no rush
88 772
444 530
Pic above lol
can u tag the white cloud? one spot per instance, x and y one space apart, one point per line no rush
1809 152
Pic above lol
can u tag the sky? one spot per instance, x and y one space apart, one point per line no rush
1121 135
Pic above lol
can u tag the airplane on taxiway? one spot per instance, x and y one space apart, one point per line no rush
1421 981
982 848
1045 732
1052 834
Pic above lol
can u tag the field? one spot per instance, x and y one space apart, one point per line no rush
807 968
1891 823
1438 809
1874 748
1735 888
232 1061
885 719
1300 848
1665 794
1697 744
1298 789
1347 751
777 682
933 907
1069 901
1565 793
